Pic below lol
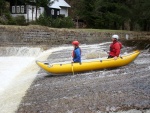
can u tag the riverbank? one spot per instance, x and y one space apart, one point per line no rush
39 35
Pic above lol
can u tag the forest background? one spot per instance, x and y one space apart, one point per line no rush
133 15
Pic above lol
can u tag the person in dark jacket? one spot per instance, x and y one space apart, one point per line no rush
115 47
76 54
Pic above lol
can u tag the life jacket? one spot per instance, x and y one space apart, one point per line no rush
73 52
115 48
76 54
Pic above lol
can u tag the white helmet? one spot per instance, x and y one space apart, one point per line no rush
115 36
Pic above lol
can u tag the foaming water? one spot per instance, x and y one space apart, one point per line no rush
17 72
19 51
10 67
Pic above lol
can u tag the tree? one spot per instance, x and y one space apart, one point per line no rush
86 12
2 6
144 15
113 14
42 3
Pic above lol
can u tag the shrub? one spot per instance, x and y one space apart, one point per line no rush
59 22
3 21
20 20
65 22
44 20
9 19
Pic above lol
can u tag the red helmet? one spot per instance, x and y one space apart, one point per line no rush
76 43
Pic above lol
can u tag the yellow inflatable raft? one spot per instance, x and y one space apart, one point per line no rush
88 65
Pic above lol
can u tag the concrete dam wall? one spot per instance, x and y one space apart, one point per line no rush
40 35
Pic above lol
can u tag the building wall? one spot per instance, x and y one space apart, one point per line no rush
29 12
52 12
64 11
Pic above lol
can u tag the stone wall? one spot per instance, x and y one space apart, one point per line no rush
39 35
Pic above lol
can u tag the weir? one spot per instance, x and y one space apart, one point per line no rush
17 72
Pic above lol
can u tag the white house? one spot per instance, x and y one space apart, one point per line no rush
61 6
28 11
19 8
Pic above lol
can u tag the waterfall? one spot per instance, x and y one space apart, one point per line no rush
17 72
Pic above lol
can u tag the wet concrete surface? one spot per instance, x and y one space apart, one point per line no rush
104 91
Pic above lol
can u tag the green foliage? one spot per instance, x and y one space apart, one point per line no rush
20 20
2 6
113 14
10 20
44 20
7 19
104 14
65 22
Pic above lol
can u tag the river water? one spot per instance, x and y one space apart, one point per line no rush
19 73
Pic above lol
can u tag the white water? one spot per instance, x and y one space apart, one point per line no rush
9 69
17 71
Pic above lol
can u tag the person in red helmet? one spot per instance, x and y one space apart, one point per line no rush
76 54
115 47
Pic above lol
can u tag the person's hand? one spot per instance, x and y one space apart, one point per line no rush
115 58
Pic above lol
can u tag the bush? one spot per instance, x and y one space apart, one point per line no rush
3 21
12 22
65 22
20 20
9 19
44 20
59 22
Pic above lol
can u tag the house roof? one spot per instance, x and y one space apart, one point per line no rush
57 4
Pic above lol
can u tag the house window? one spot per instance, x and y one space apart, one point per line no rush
13 9
58 13
18 9
22 9
52 11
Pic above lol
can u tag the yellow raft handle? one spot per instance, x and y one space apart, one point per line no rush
72 68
